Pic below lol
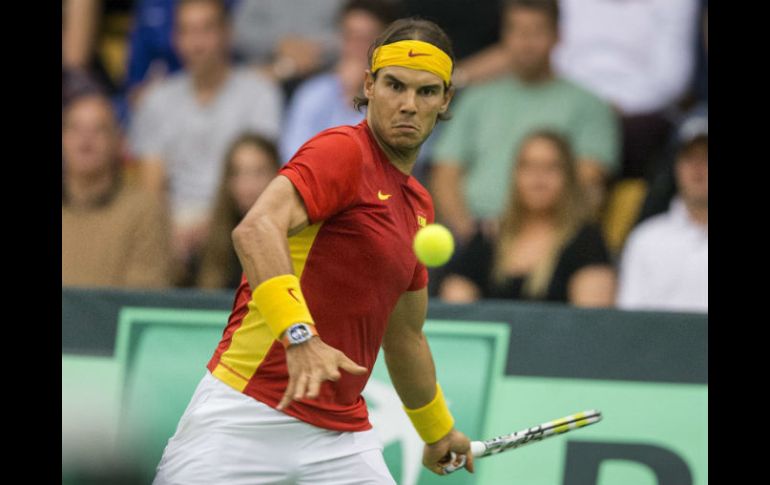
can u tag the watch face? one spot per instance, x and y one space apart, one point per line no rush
298 332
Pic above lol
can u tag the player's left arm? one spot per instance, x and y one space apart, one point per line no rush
413 373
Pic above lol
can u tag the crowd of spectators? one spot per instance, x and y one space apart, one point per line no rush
559 105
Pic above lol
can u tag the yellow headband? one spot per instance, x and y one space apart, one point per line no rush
414 54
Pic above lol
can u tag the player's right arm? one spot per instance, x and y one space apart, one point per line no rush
262 247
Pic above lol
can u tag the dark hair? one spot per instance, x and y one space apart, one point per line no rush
548 7
220 4
385 11
217 255
413 28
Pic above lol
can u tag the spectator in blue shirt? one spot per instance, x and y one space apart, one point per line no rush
326 100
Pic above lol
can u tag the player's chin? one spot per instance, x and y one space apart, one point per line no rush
408 140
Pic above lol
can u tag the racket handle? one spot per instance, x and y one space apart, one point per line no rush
477 448
451 467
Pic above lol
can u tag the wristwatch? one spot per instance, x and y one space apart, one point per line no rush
298 333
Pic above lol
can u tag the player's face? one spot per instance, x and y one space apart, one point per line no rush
692 173
89 137
252 171
529 36
540 177
201 36
404 105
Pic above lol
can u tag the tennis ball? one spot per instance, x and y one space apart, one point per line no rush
434 245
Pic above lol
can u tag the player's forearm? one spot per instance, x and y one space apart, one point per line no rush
262 248
261 238
411 369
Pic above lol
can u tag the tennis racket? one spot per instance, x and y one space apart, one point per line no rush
481 449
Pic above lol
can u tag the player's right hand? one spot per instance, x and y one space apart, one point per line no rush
309 364
440 454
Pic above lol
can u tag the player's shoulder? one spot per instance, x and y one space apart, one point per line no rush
337 137
339 144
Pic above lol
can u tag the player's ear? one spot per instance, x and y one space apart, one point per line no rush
448 95
369 84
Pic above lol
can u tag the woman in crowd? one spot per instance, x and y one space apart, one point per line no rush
251 163
545 247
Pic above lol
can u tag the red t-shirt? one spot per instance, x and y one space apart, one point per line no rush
354 262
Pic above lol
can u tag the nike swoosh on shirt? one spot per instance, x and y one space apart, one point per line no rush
382 196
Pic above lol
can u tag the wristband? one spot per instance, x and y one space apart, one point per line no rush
281 303
432 421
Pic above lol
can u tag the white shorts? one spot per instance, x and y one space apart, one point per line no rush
227 437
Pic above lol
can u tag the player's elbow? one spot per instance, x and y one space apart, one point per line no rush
247 230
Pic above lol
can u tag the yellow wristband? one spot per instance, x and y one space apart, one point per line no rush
432 421
280 301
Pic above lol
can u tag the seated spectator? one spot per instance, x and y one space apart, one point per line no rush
288 39
251 163
112 234
184 124
640 57
151 54
81 25
546 248
664 265
474 28
326 100
474 151
662 183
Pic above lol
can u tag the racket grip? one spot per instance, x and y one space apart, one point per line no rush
451 467
477 449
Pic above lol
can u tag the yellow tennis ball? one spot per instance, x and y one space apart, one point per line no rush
434 245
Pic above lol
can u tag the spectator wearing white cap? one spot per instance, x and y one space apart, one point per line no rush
664 265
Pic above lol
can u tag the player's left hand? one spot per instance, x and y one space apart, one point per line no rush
437 455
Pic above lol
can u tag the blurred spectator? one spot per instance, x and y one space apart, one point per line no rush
326 100
665 261
546 248
112 234
151 54
184 124
290 39
662 184
472 155
81 22
83 63
639 56
250 164
474 27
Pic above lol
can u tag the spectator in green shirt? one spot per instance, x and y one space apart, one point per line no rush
472 168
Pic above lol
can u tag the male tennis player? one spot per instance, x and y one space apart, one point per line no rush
282 402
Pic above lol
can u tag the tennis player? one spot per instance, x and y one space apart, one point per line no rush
330 277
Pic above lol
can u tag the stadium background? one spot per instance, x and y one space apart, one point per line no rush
506 365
